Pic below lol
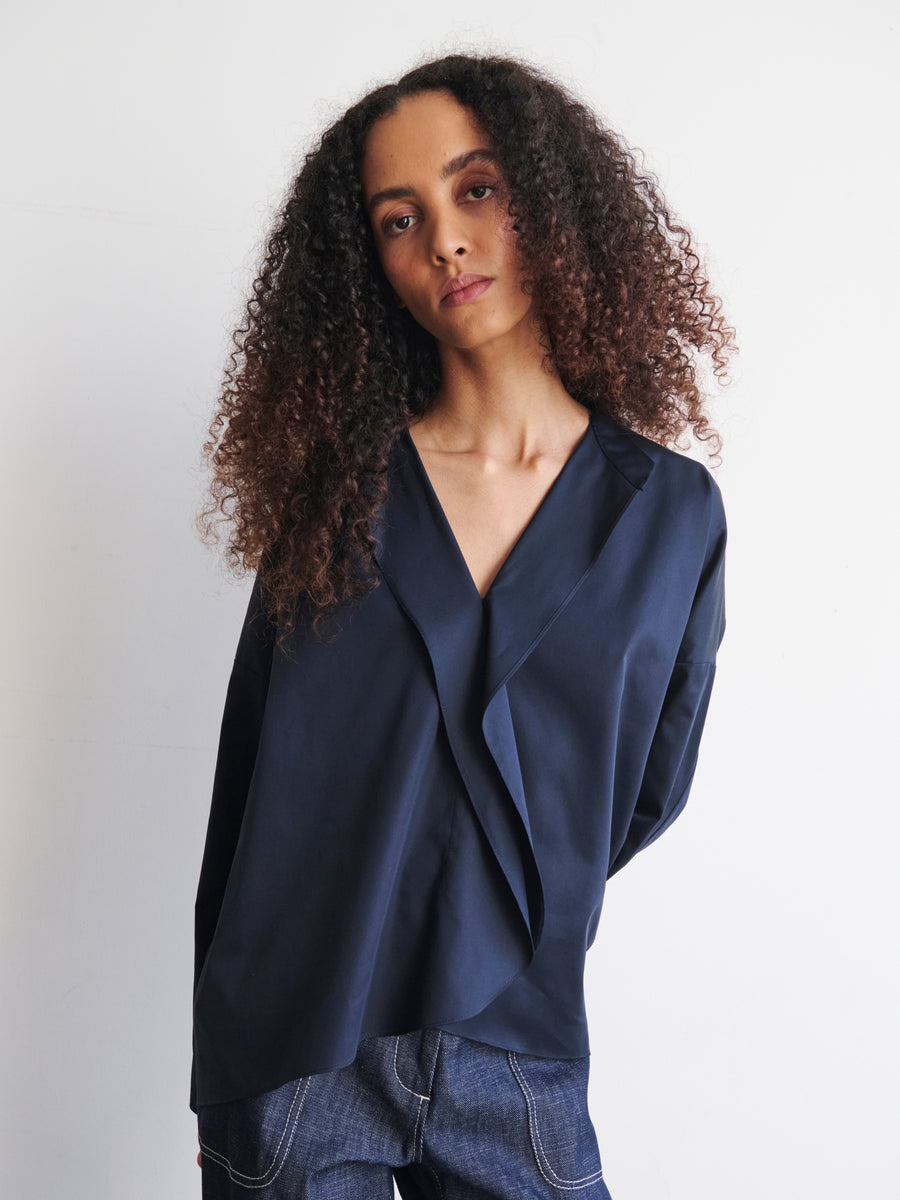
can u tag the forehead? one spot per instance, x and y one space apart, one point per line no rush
421 134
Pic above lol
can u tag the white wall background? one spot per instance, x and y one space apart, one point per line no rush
743 987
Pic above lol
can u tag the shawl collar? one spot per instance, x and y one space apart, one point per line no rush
476 645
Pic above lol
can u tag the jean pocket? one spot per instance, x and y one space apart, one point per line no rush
555 1107
252 1138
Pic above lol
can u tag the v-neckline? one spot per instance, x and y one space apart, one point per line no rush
555 553
448 528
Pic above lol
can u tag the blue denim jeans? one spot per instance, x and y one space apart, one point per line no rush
448 1118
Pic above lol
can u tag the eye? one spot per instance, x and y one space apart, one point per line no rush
393 228
390 227
476 187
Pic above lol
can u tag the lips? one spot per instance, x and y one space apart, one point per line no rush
460 284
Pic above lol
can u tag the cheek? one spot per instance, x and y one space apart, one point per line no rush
387 264
505 224
512 259
508 238
396 268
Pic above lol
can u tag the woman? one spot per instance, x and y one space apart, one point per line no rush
479 648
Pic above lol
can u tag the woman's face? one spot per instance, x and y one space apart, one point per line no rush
437 205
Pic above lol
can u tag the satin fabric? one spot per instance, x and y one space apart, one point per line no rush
413 824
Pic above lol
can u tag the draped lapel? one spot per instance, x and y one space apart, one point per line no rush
475 645
560 544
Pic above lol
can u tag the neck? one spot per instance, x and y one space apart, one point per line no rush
500 400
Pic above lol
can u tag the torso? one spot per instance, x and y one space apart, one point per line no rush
488 504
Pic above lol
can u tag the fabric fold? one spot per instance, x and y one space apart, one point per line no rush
412 823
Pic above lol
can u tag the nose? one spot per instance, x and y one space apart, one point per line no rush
448 238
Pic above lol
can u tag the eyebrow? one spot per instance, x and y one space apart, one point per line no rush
453 167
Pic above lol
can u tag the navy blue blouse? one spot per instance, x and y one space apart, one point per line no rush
413 824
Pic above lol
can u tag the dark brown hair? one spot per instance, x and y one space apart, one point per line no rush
328 371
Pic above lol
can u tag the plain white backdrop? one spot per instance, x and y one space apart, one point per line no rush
743 987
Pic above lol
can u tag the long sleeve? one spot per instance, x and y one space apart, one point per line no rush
672 759
242 718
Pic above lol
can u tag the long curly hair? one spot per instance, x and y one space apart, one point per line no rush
327 371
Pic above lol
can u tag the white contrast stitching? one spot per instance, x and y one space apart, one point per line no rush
425 1099
534 1132
416 1128
437 1049
238 1177
399 1080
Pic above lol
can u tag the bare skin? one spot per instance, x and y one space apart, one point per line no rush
502 425
488 500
